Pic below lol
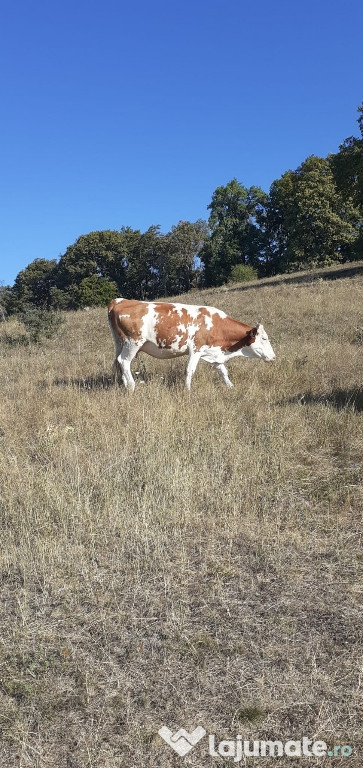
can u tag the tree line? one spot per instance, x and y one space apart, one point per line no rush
312 216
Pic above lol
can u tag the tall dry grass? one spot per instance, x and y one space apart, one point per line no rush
182 558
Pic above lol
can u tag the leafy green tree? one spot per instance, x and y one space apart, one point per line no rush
152 254
347 167
99 254
280 221
236 237
6 293
95 291
182 246
144 263
33 285
309 223
128 271
63 300
326 220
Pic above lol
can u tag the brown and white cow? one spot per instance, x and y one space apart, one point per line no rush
168 330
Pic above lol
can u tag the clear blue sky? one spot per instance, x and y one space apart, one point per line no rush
116 113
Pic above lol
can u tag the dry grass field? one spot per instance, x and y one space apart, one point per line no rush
183 559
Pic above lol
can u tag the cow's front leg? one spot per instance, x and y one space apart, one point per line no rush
221 368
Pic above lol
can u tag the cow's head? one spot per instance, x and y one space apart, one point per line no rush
258 345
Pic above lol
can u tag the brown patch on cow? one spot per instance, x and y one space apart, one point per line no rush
228 334
168 320
246 341
127 327
204 311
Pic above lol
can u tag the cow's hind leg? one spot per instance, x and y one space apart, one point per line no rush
124 359
221 368
193 361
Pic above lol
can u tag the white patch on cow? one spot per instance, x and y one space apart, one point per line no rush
117 300
191 309
175 345
192 330
215 311
181 328
149 323
213 355
208 322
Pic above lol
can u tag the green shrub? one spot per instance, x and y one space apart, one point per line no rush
40 323
242 273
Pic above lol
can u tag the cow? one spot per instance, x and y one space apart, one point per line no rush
168 330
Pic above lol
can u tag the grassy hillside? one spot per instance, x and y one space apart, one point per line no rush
182 559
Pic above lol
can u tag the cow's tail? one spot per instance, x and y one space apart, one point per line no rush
114 323
117 336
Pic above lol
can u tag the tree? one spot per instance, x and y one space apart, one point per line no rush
309 223
99 254
144 263
236 237
95 291
182 248
347 167
33 284
281 215
6 293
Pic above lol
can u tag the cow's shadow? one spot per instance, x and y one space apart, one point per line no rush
170 379
338 398
100 381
